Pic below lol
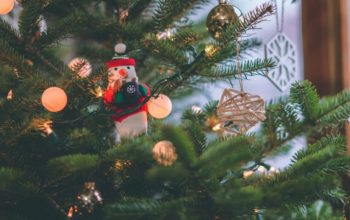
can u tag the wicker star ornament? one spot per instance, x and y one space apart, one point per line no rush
239 111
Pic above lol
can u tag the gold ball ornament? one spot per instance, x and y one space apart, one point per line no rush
160 107
6 6
54 99
220 17
164 153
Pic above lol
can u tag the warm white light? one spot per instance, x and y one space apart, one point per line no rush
247 173
6 6
217 127
10 95
160 107
54 99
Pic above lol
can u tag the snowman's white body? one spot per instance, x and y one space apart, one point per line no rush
135 124
132 126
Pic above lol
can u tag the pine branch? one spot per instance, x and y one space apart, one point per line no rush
165 49
334 110
169 11
9 34
247 69
9 177
193 125
249 22
305 96
69 24
227 154
319 145
139 207
29 19
137 8
72 164
13 58
183 144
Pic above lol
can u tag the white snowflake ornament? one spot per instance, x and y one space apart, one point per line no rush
282 50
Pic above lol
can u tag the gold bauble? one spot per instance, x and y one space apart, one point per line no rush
164 153
219 18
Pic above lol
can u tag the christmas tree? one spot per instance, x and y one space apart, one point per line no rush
77 142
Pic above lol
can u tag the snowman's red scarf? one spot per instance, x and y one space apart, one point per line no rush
108 100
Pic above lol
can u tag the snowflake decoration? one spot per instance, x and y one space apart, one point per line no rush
239 111
131 89
282 50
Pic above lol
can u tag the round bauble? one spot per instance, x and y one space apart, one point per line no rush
219 18
80 66
120 48
164 153
54 99
160 107
6 6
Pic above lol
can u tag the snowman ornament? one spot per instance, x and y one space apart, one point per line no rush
124 92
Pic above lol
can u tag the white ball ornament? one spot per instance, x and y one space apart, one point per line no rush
160 107
164 153
6 6
54 99
80 66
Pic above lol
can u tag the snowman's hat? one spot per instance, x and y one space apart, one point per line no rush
120 58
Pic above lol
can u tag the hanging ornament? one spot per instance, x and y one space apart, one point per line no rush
125 93
10 95
80 66
87 201
283 51
164 153
6 6
220 17
160 107
239 111
54 99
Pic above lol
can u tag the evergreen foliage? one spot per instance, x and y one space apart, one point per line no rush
42 174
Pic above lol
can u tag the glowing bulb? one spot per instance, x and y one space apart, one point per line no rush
217 127
54 99
247 173
160 107
10 95
6 6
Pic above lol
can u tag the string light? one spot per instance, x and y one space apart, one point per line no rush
217 127
210 50
99 92
10 95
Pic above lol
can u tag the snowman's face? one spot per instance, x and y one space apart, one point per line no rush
123 73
